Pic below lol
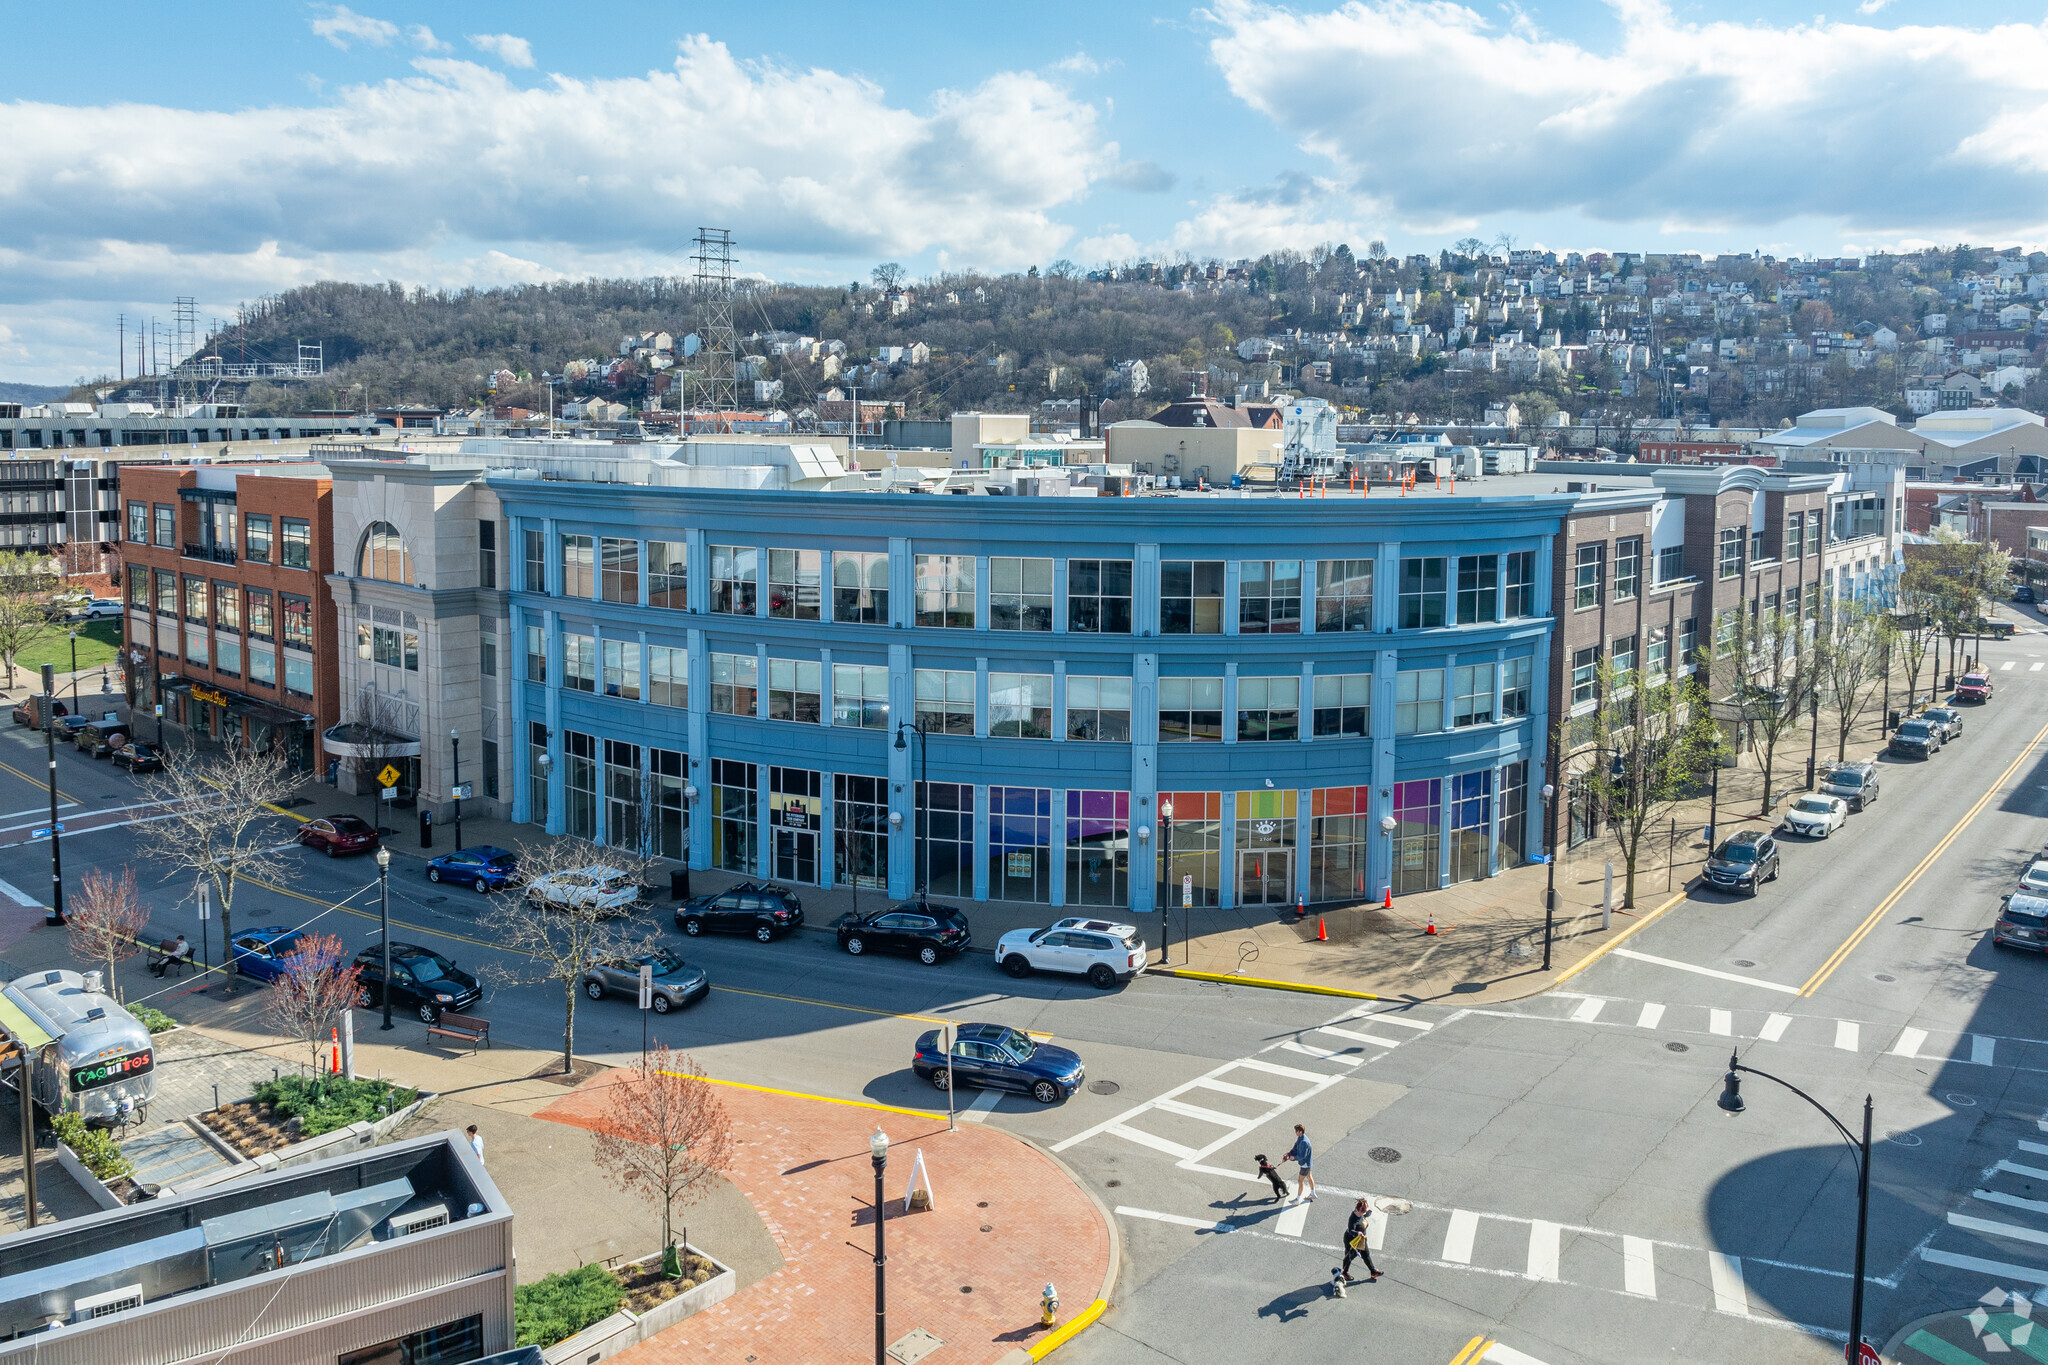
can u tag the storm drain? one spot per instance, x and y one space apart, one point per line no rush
1677 1047
1103 1087
1386 1156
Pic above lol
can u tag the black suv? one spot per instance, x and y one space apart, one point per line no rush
423 981
1744 862
759 908
1916 738
924 930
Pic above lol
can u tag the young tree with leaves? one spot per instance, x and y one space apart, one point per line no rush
664 1134
1850 652
316 984
104 918
548 934
223 823
28 585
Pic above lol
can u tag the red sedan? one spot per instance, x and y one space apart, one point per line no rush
338 834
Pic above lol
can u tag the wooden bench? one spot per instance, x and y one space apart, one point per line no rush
467 1027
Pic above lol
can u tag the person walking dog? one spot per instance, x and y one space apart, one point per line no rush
1301 1154
1355 1242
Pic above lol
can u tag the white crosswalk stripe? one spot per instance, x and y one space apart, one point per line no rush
1730 1294
1651 1016
1544 1249
1459 1236
1639 1267
2006 667
1909 1042
1292 1220
1588 1010
1959 1243
1847 1034
2033 668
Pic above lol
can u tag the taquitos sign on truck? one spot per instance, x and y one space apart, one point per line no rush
108 1070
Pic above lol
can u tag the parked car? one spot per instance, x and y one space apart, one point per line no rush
481 868
100 738
2035 878
676 983
139 758
2024 594
1915 738
925 930
339 834
68 728
1948 718
1974 686
998 1057
1856 783
1744 862
422 981
762 909
1815 816
261 952
612 891
25 712
1103 952
99 609
2022 922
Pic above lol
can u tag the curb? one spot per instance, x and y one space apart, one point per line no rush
1086 1318
1229 980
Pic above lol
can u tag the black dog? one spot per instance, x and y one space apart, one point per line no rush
1266 1169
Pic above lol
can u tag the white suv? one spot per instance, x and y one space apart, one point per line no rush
1104 952
611 890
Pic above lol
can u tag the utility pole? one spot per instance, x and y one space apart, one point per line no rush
49 703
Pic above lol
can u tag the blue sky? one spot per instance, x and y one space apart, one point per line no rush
230 152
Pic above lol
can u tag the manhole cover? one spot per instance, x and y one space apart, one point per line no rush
1103 1087
1885 977
1113 1184
982 1205
1961 1101
1744 962
1386 1156
986 1228
967 1289
1677 1047
1903 1139
914 1346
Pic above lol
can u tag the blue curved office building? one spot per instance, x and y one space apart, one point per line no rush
1000 694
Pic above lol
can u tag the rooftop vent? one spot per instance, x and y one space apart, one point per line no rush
102 1305
419 1220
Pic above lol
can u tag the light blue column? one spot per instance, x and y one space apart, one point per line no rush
764 824
1145 777
556 777
1145 591
697 555
1227 871
1493 826
551 550
1379 858
1307 726
1057 851
521 762
1059 596
761 680
1230 703
981 698
825 688
981 616
1232 577
902 582
1302 805
1386 587
1059 700
828 826
981 836
902 792
698 773
1308 597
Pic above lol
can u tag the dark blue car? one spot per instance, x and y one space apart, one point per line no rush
261 952
482 868
998 1057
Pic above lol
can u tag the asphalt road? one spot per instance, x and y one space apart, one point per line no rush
1575 1194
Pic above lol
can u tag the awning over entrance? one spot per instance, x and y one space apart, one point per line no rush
235 703
352 739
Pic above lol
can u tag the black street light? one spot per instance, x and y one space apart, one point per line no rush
49 704
74 671
384 925
1550 868
1731 1101
878 1152
917 835
455 783
1813 718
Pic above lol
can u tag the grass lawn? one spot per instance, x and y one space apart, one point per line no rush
98 643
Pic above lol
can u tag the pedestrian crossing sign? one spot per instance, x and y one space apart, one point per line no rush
389 777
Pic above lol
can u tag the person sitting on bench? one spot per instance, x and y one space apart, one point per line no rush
176 953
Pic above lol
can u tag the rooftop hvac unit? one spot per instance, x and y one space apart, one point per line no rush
101 1305
419 1220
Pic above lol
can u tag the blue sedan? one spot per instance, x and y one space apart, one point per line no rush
997 1057
261 953
482 868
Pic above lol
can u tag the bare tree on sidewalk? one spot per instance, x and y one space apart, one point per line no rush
221 823
1850 653
104 919
307 998
554 923
1773 678
28 586
664 1134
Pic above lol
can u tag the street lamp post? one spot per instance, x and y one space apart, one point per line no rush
917 835
878 1152
384 925
1731 1101
1550 868
1813 719
455 782
1166 877
1388 824
56 915
74 670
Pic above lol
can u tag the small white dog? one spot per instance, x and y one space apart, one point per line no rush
1337 1289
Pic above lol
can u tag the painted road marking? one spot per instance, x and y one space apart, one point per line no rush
1243 1092
1721 1022
1981 1049
1651 1016
1376 1232
1273 1069
1847 1034
1588 1010
2037 1148
1355 1037
1639 1267
1730 1295
1195 1111
2011 1201
1292 1220
1543 1250
2014 1168
2033 668
1205 1224
981 1106
1714 972
1909 1042
1321 1054
2002 1270
1386 1017
1145 1139
2006 667
2010 1231
1507 1355
1458 1237
1774 1027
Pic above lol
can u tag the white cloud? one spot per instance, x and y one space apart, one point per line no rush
1874 130
1872 6
422 37
506 48
340 23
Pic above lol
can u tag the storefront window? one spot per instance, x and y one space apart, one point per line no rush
797 817
1265 847
1098 848
1418 817
1020 844
948 812
1191 841
860 820
579 782
1471 822
671 813
1339 837
622 795
732 806
1513 846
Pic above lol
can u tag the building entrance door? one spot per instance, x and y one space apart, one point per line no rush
1265 877
796 856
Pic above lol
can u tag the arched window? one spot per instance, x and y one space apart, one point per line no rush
384 555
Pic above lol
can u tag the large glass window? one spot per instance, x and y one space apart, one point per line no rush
1628 568
579 566
195 647
1418 825
945 701
1343 594
1730 557
1191 841
860 696
1019 594
1623 652
298 675
1419 701
1339 838
451 1343
733 832
383 557
668 676
671 813
1588 570
1268 709
579 662
487 554
579 784
1657 657
1472 826
535 560
1472 701
948 854
1343 705
1020 844
1269 597
227 656
735 574
1670 564
1422 593
1688 641
260 621
1099 596
944 591
797 815
668 575
1515 682
536 780
1020 705
166 593
295 543
227 605
1478 588
138 523
255 536
487 654
1191 597
794 585
1585 674
1520 599
1813 525
298 619
1265 847
794 690
195 599
1795 535
620 564
263 667
860 587
1098 848
1099 709
1191 710
138 588
167 529
860 822
536 654
623 792
1511 849
735 679
622 669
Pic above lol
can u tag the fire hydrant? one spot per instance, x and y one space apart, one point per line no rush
1048 1306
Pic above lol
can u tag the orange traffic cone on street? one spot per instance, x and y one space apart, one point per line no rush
1322 931
1390 897
1301 907
335 1034
1430 928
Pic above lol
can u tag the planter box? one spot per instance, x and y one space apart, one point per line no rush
87 1181
337 1143
627 1328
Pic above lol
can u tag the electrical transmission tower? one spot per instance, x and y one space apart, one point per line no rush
715 389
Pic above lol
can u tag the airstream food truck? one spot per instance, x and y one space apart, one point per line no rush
99 1062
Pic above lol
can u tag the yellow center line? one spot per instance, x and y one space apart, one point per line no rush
1862 931
1473 1350
43 782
